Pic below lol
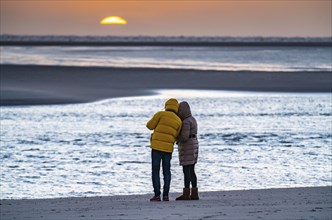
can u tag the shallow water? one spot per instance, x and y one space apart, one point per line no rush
247 141
295 59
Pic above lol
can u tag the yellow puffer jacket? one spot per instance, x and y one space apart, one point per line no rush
167 126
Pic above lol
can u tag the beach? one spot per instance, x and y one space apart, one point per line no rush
46 85
33 84
80 80
290 203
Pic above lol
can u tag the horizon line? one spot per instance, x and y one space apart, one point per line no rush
169 36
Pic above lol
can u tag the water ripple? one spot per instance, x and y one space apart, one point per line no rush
255 141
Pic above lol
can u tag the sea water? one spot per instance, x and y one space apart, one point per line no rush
247 141
259 58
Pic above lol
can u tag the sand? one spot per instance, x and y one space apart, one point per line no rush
291 203
29 84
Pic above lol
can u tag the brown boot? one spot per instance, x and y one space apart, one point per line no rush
185 195
194 194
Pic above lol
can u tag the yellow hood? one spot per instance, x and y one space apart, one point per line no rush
172 105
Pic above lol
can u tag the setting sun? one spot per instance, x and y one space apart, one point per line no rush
113 20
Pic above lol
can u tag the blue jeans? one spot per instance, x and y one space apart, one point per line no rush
165 158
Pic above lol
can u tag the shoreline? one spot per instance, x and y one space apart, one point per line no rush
38 85
282 203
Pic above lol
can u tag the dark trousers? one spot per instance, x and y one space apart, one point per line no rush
165 158
189 176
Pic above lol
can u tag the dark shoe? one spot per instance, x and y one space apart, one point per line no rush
166 199
194 194
185 195
155 199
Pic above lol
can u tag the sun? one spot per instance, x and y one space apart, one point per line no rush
113 20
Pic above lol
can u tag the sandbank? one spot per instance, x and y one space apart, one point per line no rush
32 84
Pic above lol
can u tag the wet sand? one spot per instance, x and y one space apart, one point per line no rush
291 203
31 85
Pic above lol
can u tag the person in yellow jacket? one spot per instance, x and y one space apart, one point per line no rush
166 126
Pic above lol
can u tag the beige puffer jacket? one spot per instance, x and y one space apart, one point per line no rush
187 139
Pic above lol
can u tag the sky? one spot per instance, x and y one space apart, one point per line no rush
281 18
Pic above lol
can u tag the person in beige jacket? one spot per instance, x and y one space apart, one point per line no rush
188 151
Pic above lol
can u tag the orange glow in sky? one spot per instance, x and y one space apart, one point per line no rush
169 18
